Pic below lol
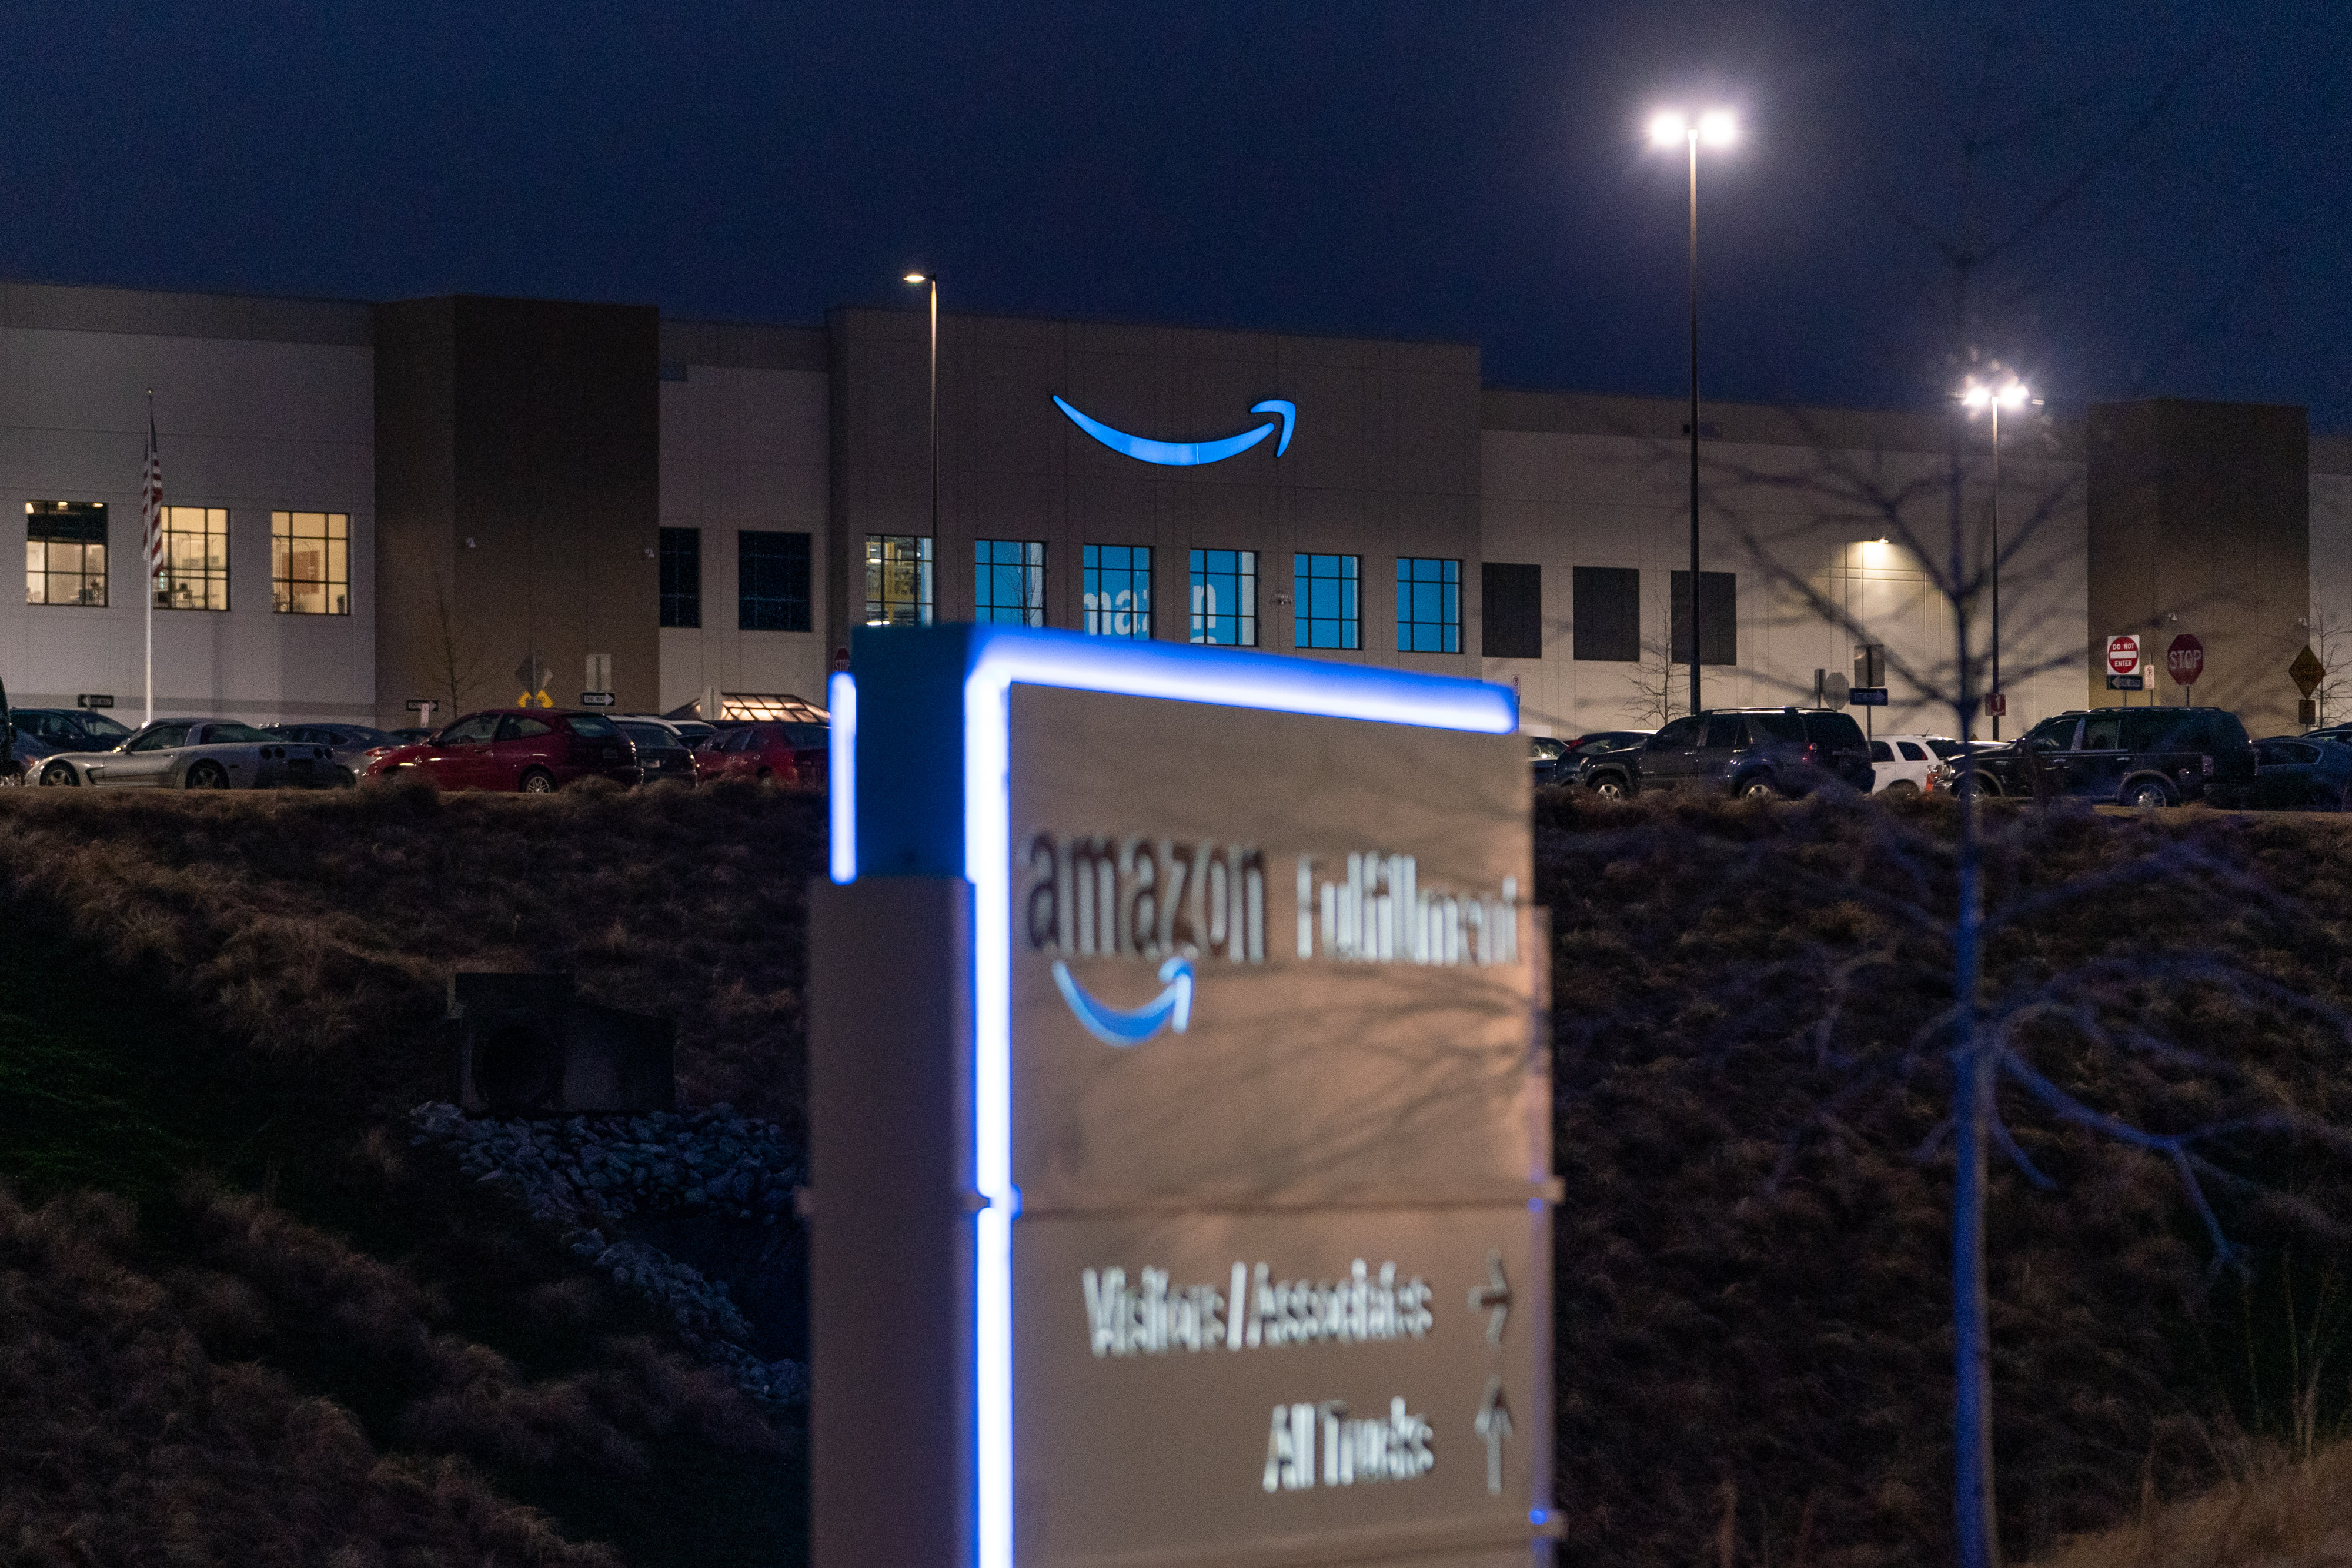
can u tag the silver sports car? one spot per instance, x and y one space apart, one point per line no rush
195 754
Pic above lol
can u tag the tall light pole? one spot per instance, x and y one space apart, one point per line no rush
1975 395
1716 128
931 279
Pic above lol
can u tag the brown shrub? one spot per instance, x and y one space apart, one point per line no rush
320 929
127 1443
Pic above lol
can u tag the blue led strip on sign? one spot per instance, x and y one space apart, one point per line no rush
841 770
947 690
1185 453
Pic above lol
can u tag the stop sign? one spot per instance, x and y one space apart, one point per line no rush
2185 659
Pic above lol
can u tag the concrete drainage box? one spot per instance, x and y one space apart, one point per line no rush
1180 1115
525 1045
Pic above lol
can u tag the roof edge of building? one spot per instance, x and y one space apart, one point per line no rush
256 317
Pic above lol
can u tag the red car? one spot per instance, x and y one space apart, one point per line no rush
783 753
535 750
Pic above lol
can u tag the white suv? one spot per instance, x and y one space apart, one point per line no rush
1900 763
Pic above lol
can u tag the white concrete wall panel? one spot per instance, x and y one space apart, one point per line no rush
253 426
745 449
1789 520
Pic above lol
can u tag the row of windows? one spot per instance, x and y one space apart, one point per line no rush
1606 624
310 558
1009 587
771 580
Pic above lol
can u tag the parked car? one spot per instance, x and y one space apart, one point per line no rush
662 752
1904 764
1556 761
1759 753
350 745
193 754
2302 772
782 753
2137 756
534 750
411 734
43 732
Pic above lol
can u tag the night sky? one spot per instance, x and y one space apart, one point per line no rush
1466 170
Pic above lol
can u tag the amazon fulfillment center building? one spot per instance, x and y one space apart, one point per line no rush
370 503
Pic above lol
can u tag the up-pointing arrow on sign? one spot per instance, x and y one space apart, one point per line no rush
1494 1424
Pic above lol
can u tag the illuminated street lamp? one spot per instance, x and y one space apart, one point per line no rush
931 279
1667 128
1976 396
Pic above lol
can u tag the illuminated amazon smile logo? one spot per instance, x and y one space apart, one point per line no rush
1186 454
1124 1026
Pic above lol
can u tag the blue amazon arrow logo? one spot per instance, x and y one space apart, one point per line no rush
1185 453
1123 1026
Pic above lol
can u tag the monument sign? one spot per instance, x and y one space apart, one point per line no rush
1179 1119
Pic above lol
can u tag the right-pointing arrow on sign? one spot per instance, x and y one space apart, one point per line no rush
1493 1297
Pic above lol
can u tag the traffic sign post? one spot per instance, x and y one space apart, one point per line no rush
2185 659
1997 704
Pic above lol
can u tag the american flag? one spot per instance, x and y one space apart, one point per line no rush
150 500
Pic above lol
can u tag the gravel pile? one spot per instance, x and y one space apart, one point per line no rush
586 1174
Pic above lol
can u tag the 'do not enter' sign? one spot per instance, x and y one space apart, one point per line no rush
2123 654
2184 661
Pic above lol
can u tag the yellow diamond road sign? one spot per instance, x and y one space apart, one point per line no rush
2306 670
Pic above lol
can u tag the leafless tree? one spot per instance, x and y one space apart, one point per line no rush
455 660
1994 1034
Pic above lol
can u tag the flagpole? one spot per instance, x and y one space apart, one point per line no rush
147 563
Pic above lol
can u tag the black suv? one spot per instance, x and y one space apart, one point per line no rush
2137 756
1759 753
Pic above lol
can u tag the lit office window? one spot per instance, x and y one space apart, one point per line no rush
310 563
194 574
897 579
1429 605
65 553
1118 591
1325 586
772 582
681 576
1224 597
1008 584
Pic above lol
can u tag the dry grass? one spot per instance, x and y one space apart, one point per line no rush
1753 1277
320 929
2288 1514
127 1441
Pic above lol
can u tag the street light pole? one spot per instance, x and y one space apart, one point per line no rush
1693 418
2010 394
932 279
1667 129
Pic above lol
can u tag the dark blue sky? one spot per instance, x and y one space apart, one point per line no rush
1354 166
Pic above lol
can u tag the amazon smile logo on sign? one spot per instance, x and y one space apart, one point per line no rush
1188 454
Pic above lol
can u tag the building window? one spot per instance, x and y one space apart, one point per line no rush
1327 612
772 582
1429 605
681 576
1608 610
194 574
1224 597
897 580
1719 618
1510 611
1118 591
310 563
1009 587
65 553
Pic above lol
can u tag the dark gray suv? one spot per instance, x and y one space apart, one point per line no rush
1759 753
2137 756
